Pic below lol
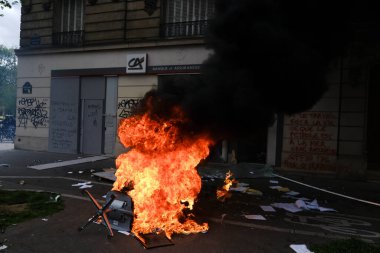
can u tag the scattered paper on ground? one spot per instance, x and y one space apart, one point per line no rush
300 248
283 189
3 247
292 193
273 181
313 205
252 191
254 217
275 187
83 185
239 189
44 219
290 207
268 209
124 232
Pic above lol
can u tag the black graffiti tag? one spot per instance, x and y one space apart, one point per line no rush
33 110
126 106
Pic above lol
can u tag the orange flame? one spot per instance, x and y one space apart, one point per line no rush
223 193
160 167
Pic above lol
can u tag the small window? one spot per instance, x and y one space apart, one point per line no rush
187 17
68 25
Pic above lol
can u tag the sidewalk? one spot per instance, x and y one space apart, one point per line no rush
229 230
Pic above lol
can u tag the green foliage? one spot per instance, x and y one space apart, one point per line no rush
346 246
8 76
18 206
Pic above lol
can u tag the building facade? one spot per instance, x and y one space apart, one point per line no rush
83 64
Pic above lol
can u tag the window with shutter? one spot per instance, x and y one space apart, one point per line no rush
68 23
186 17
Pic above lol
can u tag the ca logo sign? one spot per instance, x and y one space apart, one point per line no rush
136 63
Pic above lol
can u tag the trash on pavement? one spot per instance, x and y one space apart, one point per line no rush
124 232
69 172
273 181
255 192
292 193
21 182
300 248
283 189
268 209
3 247
4 165
239 189
275 187
290 207
307 205
83 185
254 217
44 219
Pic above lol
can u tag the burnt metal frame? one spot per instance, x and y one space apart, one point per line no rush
101 213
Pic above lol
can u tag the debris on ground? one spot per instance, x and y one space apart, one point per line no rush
292 193
268 209
290 207
5 165
124 232
300 248
301 205
84 185
254 217
3 247
254 192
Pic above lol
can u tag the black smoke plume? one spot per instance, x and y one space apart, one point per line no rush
269 56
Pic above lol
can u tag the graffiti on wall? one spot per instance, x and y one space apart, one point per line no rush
310 141
126 106
32 111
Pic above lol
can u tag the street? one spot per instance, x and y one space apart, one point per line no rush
230 230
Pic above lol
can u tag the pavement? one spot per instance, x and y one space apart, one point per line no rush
230 230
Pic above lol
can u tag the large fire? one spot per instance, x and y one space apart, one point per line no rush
159 173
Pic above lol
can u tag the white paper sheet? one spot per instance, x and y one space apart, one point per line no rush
273 181
292 193
80 184
254 217
290 207
300 248
124 232
268 209
86 186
